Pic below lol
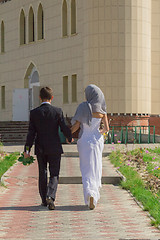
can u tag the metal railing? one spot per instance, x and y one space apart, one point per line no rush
120 134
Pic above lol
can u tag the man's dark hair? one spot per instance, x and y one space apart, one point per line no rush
46 93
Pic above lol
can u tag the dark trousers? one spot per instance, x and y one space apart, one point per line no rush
48 189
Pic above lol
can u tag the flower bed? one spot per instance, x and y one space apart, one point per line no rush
141 167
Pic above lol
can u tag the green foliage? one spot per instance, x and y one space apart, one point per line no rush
155 150
1 147
154 169
6 161
147 158
26 161
134 183
2 184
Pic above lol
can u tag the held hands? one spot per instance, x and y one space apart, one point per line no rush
68 141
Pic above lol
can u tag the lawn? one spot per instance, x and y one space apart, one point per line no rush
6 161
141 168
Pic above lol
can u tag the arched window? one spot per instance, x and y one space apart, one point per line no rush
2 37
73 16
40 23
22 28
31 25
64 18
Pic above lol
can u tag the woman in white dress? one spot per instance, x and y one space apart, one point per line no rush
90 144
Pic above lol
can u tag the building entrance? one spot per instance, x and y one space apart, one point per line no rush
27 98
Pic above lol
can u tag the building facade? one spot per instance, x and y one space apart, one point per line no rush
68 44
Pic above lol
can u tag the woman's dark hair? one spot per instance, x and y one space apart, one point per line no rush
46 93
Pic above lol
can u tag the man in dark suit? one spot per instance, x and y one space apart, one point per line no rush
44 124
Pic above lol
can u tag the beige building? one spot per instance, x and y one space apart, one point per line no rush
68 44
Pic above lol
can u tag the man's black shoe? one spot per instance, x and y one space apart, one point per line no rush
44 204
50 202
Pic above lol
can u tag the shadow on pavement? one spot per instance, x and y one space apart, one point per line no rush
40 208
24 208
72 208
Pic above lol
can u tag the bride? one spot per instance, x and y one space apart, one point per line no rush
90 145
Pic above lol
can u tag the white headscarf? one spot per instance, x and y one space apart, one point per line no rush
95 103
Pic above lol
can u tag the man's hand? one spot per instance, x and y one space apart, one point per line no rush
26 155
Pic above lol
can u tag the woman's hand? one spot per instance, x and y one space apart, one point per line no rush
75 127
106 125
102 131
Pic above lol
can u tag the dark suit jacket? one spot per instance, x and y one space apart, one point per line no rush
44 124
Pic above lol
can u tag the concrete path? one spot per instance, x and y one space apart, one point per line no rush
117 215
70 171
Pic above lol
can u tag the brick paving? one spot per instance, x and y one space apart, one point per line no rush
117 216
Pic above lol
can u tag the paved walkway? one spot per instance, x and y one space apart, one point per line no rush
117 215
72 149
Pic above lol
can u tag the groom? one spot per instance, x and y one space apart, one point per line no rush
44 124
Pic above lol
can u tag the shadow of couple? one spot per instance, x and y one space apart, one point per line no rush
35 208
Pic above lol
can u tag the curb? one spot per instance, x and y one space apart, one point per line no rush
142 207
137 202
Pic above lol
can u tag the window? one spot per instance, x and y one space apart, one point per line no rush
64 18
22 28
74 88
65 89
31 25
3 97
2 37
73 16
40 22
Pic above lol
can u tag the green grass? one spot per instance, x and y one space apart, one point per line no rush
154 169
6 161
155 150
134 183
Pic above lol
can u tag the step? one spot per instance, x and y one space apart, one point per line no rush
13 132
25 128
70 171
76 154
78 180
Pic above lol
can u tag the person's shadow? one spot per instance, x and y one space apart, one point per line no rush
68 208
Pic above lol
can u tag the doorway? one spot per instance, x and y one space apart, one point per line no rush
34 87
27 98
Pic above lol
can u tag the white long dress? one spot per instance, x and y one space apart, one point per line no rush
90 147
